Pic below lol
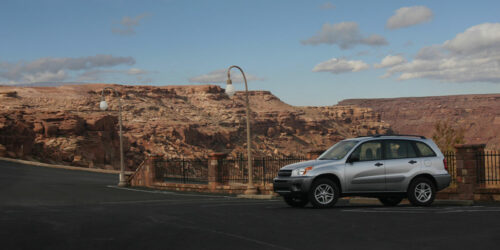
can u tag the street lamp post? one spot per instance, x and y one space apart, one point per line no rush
104 106
230 92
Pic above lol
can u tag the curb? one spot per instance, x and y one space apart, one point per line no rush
256 196
374 201
364 201
40 164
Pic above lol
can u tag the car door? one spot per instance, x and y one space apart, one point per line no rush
401 161
367 172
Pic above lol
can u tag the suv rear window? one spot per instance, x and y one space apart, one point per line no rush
399 149
425 151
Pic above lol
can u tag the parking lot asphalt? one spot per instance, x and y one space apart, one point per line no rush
42 208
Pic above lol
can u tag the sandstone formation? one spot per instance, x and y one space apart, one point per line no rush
479 115
64 124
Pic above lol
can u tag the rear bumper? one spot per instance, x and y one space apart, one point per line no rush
292 186
442 181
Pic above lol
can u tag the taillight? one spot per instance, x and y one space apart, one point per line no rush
445 164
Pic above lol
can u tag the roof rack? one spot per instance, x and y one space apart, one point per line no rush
420 136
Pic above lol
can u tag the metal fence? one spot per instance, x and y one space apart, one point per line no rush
452 165
489 170
264 169
232 171
175 170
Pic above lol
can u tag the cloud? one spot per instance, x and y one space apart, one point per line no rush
409 16
346 35
99 74
56 69
128 24
472 56
337 66
220 76
327 6
136 71
390 61
480 38
47 76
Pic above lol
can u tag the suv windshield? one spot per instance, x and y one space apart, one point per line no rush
338 151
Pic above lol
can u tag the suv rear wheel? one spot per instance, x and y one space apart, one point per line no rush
324 193
296 201
421 192
390 201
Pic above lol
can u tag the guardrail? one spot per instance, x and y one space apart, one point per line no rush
175 170
488 173
264 168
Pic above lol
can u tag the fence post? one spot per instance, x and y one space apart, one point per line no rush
214 167
468 168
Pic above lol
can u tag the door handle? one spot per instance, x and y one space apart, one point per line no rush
412 162
378 164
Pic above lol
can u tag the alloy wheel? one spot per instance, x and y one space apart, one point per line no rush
423 192
324 194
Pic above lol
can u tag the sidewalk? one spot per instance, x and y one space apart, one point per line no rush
47 165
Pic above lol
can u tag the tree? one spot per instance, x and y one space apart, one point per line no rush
446 136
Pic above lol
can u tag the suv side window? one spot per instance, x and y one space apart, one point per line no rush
395 149
425 151
369 151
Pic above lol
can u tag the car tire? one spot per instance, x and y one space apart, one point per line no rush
421 192
390 200
294 201
324 193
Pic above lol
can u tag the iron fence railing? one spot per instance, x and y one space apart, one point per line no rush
488 171
193 171
264 168
452 165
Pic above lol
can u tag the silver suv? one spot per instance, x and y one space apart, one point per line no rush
389 168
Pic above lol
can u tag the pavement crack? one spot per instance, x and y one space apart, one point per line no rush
263 243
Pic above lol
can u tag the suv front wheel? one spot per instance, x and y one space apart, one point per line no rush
421 192
324 193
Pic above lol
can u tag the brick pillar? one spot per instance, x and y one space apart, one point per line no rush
150 171
215 169
467 169
312 155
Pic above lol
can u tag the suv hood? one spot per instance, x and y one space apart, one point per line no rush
307 164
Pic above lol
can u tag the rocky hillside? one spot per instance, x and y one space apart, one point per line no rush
479 115
64 124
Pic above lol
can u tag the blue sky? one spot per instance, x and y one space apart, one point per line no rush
305 52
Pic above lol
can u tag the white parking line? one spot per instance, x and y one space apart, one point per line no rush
470 211
421 210
154 201
382 211
169 192
239 204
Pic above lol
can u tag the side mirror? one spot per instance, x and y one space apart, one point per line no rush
352 159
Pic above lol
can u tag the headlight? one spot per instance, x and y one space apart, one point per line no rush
301 171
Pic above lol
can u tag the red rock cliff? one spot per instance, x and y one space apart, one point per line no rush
64 125
478 114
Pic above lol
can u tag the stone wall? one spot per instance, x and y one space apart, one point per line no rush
465 188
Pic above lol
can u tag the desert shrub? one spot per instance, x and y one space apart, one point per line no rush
446 136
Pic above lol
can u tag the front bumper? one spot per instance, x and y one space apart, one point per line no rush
292 186
442 181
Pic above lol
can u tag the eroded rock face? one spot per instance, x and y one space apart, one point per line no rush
60 137
64 124
479 115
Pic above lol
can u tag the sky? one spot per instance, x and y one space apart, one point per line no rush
304 52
